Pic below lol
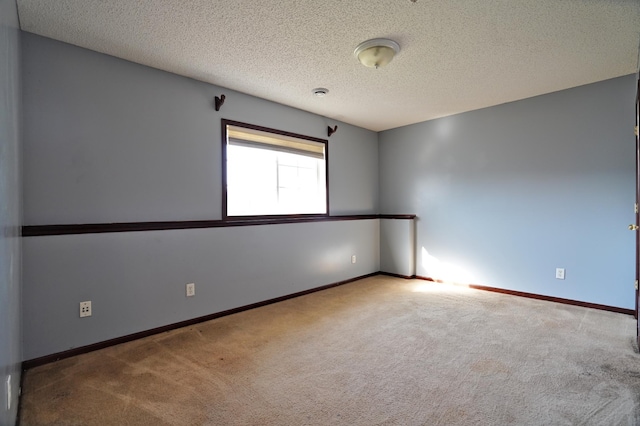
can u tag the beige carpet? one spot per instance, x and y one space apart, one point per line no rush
380 351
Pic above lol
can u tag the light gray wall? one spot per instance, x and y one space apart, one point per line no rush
107 140
10 215
506 194
397 247
136 280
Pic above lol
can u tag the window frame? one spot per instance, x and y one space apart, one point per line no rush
285 217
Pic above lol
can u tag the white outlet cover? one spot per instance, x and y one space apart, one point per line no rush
353 259
85 309
560 273
191 289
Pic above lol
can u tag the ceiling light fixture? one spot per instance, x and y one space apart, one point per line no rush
377 52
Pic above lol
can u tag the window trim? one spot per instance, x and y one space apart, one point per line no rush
285 217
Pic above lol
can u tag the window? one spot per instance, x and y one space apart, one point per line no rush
269 172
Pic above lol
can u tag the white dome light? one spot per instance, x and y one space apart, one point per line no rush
377 52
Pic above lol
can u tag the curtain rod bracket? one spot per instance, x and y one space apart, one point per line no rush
219 101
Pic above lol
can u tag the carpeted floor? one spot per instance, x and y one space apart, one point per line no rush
380 351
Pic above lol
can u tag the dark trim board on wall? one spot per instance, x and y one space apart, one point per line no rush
100 228
541 297
555 299
397 216
391 274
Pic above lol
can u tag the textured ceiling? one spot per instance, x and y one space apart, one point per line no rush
456 55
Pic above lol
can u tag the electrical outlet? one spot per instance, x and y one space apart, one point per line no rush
85 309
191 289
353 259
9 392
560 273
